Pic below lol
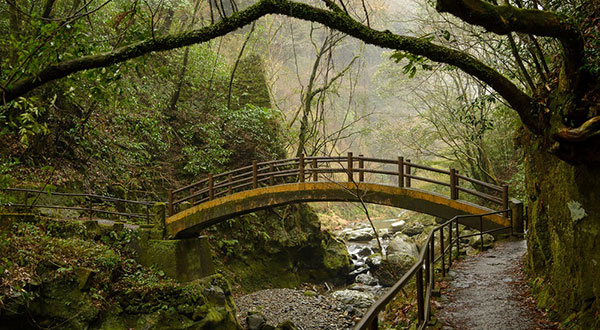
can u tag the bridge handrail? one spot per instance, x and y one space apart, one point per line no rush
89 208
425 265
302 169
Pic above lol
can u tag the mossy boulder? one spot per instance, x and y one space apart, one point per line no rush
563 237
283 247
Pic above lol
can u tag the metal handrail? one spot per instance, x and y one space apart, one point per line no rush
89 208
301 169
425 265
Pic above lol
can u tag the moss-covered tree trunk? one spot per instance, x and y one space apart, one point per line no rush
564 235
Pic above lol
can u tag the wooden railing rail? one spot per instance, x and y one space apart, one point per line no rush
90 199
423 271
315 168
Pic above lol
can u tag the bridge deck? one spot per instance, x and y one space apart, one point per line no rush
189 222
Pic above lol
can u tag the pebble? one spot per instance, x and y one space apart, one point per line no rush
305 311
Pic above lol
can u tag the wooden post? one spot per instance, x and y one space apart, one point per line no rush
420 300
89 207
401 172
451 245
375 323
442 252
453 184
457 240
254 175
361 166
230 187
408 173
301 167
456 178
349 168
315 173
147 214
211 191
271 176
170 201
505 197
432 261
427 262
481 233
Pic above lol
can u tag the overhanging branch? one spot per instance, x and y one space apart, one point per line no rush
519 100
505 19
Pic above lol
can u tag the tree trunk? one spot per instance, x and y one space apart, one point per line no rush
564 234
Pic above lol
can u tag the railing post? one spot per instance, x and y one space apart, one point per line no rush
211 191
230 186
271 176
427 262
254 175
301 167
408 173
456 178
349 167
453 189
457 240
147 215
361 166
420 300
432 261
451 245
401 172
481 233
374 324
315 175
442 252
89 207
170 202
505 197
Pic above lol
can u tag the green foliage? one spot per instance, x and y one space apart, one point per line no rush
414 62
23 117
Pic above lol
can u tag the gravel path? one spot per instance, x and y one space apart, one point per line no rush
305 311
488 291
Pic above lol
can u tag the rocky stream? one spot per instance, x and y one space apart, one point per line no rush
327 307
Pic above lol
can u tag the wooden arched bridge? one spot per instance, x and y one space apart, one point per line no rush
348 179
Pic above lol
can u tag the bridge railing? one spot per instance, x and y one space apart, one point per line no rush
91 204
423 271
347 168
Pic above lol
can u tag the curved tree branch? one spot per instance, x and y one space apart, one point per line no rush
519 100
505 19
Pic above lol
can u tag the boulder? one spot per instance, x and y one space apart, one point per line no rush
366 279
475 241
355 298
365 252
412 229
359 270
359 235
401 244
255 320
397 226
374 260
392 269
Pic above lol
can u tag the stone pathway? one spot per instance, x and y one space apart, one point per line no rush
488 291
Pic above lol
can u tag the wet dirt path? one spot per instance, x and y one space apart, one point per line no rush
488 291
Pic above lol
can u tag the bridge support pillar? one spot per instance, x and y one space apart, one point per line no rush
516 207
182 259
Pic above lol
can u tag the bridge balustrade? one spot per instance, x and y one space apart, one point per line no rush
347 168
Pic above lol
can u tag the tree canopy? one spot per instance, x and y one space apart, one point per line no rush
561 115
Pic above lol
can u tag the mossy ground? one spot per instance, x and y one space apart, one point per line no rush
58 274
